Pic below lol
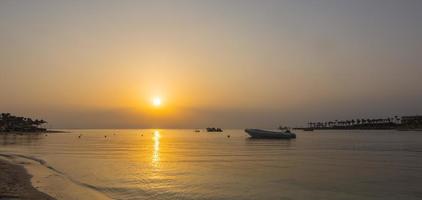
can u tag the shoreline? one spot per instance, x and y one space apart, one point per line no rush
43 178
15 182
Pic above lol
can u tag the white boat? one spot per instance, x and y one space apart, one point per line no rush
267 134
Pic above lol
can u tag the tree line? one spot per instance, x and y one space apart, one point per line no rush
389 122
9 123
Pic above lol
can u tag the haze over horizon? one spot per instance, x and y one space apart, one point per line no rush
230 64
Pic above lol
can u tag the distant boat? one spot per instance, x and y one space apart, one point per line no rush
197 131
266 134
214 129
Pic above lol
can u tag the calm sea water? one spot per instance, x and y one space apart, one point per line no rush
182 164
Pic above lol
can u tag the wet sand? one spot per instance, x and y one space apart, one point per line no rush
15 183
45 178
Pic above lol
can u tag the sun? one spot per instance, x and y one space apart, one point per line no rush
156 101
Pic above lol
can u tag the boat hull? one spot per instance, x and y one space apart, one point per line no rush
264 134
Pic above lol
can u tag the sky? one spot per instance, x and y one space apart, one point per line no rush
230 64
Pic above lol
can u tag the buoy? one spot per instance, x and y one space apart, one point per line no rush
228 136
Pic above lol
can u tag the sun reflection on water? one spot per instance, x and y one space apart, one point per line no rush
156 152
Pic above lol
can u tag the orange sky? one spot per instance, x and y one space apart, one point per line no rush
234 64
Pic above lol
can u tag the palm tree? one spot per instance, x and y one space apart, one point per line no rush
397 119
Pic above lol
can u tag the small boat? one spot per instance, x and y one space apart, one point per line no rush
197 131
214 129
267 134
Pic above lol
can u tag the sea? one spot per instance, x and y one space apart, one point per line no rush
186 165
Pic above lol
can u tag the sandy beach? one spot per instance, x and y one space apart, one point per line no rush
36 176
15 183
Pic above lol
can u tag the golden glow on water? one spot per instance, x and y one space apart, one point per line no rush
182 164
156 152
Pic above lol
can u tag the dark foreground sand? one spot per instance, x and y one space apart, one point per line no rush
15 183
